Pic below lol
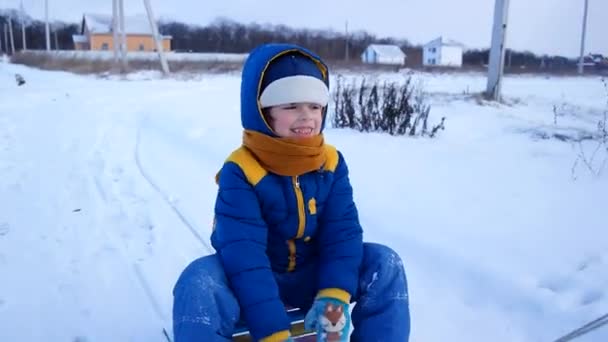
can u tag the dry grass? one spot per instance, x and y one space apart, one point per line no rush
358 66
98 66
45 62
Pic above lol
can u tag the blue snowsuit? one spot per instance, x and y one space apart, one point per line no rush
282 240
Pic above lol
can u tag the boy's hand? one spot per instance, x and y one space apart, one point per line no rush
330 318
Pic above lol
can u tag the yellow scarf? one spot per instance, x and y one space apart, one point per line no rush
286 156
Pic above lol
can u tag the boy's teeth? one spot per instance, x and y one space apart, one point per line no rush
303 130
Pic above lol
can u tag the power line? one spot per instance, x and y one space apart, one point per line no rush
585 329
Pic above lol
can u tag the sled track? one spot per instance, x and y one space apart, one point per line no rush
151 299
164 196
191 227
148 291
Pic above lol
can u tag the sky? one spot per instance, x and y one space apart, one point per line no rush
540 26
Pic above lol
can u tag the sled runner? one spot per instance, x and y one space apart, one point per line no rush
297 328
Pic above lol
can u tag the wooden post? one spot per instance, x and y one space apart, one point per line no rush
157 38
497 52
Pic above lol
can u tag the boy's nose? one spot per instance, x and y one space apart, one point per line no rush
305 112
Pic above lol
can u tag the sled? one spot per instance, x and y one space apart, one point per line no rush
298 333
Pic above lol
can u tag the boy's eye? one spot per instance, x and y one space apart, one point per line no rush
291 107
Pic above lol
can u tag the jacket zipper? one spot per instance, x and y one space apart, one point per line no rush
301 223
301 210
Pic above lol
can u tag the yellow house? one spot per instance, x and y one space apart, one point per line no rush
96 34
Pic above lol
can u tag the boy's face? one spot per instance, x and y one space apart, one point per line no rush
296 120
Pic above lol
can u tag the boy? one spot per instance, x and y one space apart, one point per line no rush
286 228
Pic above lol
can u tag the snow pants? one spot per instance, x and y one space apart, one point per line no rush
205 309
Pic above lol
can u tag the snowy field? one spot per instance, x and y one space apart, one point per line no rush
107 192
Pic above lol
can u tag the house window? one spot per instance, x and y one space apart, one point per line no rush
141 47
104 46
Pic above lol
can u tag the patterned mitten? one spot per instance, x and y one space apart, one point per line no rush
330 318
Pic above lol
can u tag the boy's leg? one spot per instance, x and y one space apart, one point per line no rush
381 312
204 307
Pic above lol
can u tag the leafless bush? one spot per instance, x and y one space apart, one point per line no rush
394 108
597 160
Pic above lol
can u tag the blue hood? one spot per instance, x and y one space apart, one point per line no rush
251 82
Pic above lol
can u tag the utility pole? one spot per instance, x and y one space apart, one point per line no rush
23 40
346 43
56 40
10 32
46 26
123 37
157 38
497 52
6 38
115 30
581 61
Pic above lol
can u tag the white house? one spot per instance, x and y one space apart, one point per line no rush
383 54
442 52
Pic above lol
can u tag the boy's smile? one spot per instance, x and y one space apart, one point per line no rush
303 131
296 120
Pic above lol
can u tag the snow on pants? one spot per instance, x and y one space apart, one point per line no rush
205 309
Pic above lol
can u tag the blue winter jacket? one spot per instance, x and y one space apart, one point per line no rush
266 224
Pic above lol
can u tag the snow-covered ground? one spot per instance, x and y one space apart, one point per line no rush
107 191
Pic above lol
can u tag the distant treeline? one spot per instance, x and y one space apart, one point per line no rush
61 34
521 60
224 35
